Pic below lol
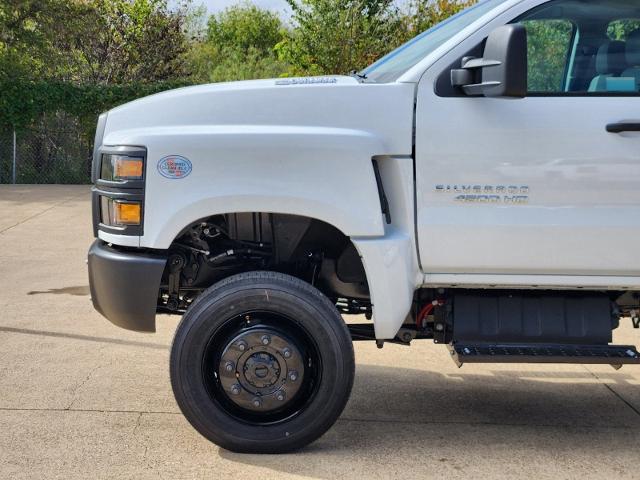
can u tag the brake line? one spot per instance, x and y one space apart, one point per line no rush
426 310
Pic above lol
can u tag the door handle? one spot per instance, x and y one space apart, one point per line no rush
623 127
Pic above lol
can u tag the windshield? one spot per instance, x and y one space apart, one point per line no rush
394 64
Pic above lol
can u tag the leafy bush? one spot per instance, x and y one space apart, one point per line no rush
55 124
24 102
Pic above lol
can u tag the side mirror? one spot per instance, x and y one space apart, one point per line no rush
502 72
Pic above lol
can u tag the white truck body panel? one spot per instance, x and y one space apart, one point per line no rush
582 216
541 281
391 262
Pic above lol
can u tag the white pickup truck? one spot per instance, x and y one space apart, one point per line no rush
479 186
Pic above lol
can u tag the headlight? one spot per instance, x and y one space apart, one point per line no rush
118 194
120 213
117 167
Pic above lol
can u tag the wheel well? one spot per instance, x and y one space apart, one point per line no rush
219 246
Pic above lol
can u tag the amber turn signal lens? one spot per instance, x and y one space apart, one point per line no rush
127 213
127 168
118 168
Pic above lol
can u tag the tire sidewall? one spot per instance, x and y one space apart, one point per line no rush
312 312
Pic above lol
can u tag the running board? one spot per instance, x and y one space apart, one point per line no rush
614 355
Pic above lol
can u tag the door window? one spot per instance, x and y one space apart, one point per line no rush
548 51
584 47
621 29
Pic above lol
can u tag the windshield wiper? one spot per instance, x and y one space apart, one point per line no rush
358 75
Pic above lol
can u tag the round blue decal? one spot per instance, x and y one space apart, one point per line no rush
174 166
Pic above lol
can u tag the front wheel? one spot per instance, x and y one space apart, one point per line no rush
262 362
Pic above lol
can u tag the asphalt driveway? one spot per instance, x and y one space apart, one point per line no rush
81 398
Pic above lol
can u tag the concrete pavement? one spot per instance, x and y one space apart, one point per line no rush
80 398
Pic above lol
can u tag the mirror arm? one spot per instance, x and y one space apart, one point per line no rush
464 77
478 88
461 77
472 63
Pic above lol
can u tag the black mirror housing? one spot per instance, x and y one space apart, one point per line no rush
507 45
502 72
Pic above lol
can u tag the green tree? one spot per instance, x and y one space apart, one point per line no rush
620 29
239 44
424 14
93 41
244 27
28 30
548 44
337 36
121 41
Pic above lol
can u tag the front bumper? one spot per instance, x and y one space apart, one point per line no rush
125 285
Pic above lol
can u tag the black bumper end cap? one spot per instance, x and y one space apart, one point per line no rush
125 285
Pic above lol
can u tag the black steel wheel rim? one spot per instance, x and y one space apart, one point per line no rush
261 368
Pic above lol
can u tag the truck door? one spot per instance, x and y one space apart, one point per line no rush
548 184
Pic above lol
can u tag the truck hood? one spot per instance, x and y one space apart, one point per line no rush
384 110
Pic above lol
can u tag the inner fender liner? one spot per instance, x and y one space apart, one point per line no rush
124 285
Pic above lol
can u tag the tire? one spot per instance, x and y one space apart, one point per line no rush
262 362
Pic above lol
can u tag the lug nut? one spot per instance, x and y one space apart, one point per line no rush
235 389
229 366
293 375
265 339
280 396
286 353
256 402
242 346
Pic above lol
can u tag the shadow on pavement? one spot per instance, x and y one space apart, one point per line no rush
80 291
422 415
85 338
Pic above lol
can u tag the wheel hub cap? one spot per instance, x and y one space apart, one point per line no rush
261 370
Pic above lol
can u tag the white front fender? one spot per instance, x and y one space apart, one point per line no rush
389 265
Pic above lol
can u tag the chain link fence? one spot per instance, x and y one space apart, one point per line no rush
6 156
54 150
